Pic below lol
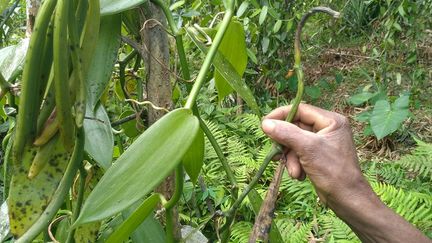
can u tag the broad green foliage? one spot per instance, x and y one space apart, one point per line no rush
193 158
142 166
228 72
233 48
135 219
12 59
109 7
253 60
99 138
386 118
105 56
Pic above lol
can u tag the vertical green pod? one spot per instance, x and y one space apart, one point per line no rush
77 79
29 99
61 74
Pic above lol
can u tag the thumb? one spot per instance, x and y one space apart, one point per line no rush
288 134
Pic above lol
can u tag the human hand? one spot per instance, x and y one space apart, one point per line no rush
319 144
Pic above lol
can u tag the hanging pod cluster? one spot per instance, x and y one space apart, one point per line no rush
48 139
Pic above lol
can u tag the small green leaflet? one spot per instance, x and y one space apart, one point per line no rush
150 159
263 14
388 118
360 98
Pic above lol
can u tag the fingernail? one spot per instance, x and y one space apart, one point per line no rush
268 126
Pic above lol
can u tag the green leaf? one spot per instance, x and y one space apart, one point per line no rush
360 98
263 15
313 92
229 73
109 7
149 231
130 127
277 26
193 159
146 162
386 119
176 5
104 58
233 48
256 201
252 55
99 140
265 42
134 220
12 59
242 9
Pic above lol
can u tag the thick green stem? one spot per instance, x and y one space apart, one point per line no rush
60 194
178 188
210 55
80 199
169 226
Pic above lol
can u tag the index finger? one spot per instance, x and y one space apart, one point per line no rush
306 114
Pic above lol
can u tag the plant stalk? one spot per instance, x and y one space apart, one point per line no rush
80 199
210 55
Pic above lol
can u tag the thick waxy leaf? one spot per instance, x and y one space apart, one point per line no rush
388 118
134 220
109 7
193 159
256 201
150 159
99 140
12 59
104 58
28 198
233 48
230 74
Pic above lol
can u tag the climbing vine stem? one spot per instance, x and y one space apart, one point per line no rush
210 55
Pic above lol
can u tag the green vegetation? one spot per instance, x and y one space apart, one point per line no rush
108 99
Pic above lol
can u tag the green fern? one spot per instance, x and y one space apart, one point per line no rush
331 227
419 163
413 206
240 232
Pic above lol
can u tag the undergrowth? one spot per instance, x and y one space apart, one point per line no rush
404 185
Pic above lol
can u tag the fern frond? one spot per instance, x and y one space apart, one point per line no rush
418 164
240 232
415 207
252 123
335 228
302 233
